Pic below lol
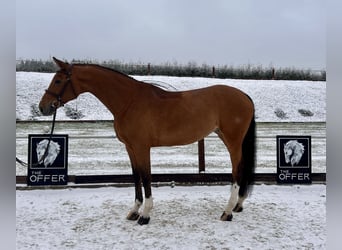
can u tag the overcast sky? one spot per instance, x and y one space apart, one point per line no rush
282 33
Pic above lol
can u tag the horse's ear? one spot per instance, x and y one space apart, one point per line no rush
61 65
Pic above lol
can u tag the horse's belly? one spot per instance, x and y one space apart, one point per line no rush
182 135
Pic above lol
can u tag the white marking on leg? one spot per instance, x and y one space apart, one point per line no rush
241 200
135 209
233 198
137 205
239 205
147 208
133 214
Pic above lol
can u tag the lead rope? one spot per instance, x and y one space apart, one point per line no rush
47 147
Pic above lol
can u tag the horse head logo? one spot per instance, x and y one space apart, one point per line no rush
293 151
51 155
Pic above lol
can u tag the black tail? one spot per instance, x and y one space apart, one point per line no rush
248 159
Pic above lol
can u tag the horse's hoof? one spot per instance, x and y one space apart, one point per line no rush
238 208
143 220
133 216
226 217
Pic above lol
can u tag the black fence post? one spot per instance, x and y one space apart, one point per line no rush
149 69
201 157
273 74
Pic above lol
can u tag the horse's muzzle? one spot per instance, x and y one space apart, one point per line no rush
47 110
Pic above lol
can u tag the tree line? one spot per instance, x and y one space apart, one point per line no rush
191 69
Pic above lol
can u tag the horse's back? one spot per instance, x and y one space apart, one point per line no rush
225 95
225 100
194 114
230 95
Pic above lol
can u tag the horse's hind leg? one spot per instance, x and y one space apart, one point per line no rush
227 214
242 196
235 200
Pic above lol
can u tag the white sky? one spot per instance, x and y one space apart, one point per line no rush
289 33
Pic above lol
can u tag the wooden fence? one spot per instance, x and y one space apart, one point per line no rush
200 178
168 179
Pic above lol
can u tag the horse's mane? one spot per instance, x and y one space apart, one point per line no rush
105 68
158 84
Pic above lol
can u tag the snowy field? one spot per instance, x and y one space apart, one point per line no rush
268 96
275 217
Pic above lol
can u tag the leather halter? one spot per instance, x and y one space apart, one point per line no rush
68 81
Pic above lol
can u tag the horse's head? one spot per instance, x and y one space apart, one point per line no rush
60 90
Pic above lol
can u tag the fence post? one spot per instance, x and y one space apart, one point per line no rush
149 69
273 74
201 158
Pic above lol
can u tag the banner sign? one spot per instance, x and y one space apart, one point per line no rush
47 167
293 159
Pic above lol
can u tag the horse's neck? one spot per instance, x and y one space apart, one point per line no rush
113 89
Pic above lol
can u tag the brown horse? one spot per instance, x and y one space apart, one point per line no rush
147 116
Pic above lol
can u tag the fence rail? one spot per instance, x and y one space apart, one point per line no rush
115 137
265 133
184 179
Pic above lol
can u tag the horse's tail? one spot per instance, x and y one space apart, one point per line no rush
248 159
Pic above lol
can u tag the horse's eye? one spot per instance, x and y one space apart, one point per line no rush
57 81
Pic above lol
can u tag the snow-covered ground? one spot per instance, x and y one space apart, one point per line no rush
269 96
275 217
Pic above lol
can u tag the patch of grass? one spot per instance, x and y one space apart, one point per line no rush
305 112
34 110
280 113
73 113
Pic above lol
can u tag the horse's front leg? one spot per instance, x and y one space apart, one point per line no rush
140 160
145 215
134 212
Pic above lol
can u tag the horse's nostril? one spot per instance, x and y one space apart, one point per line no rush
44 111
